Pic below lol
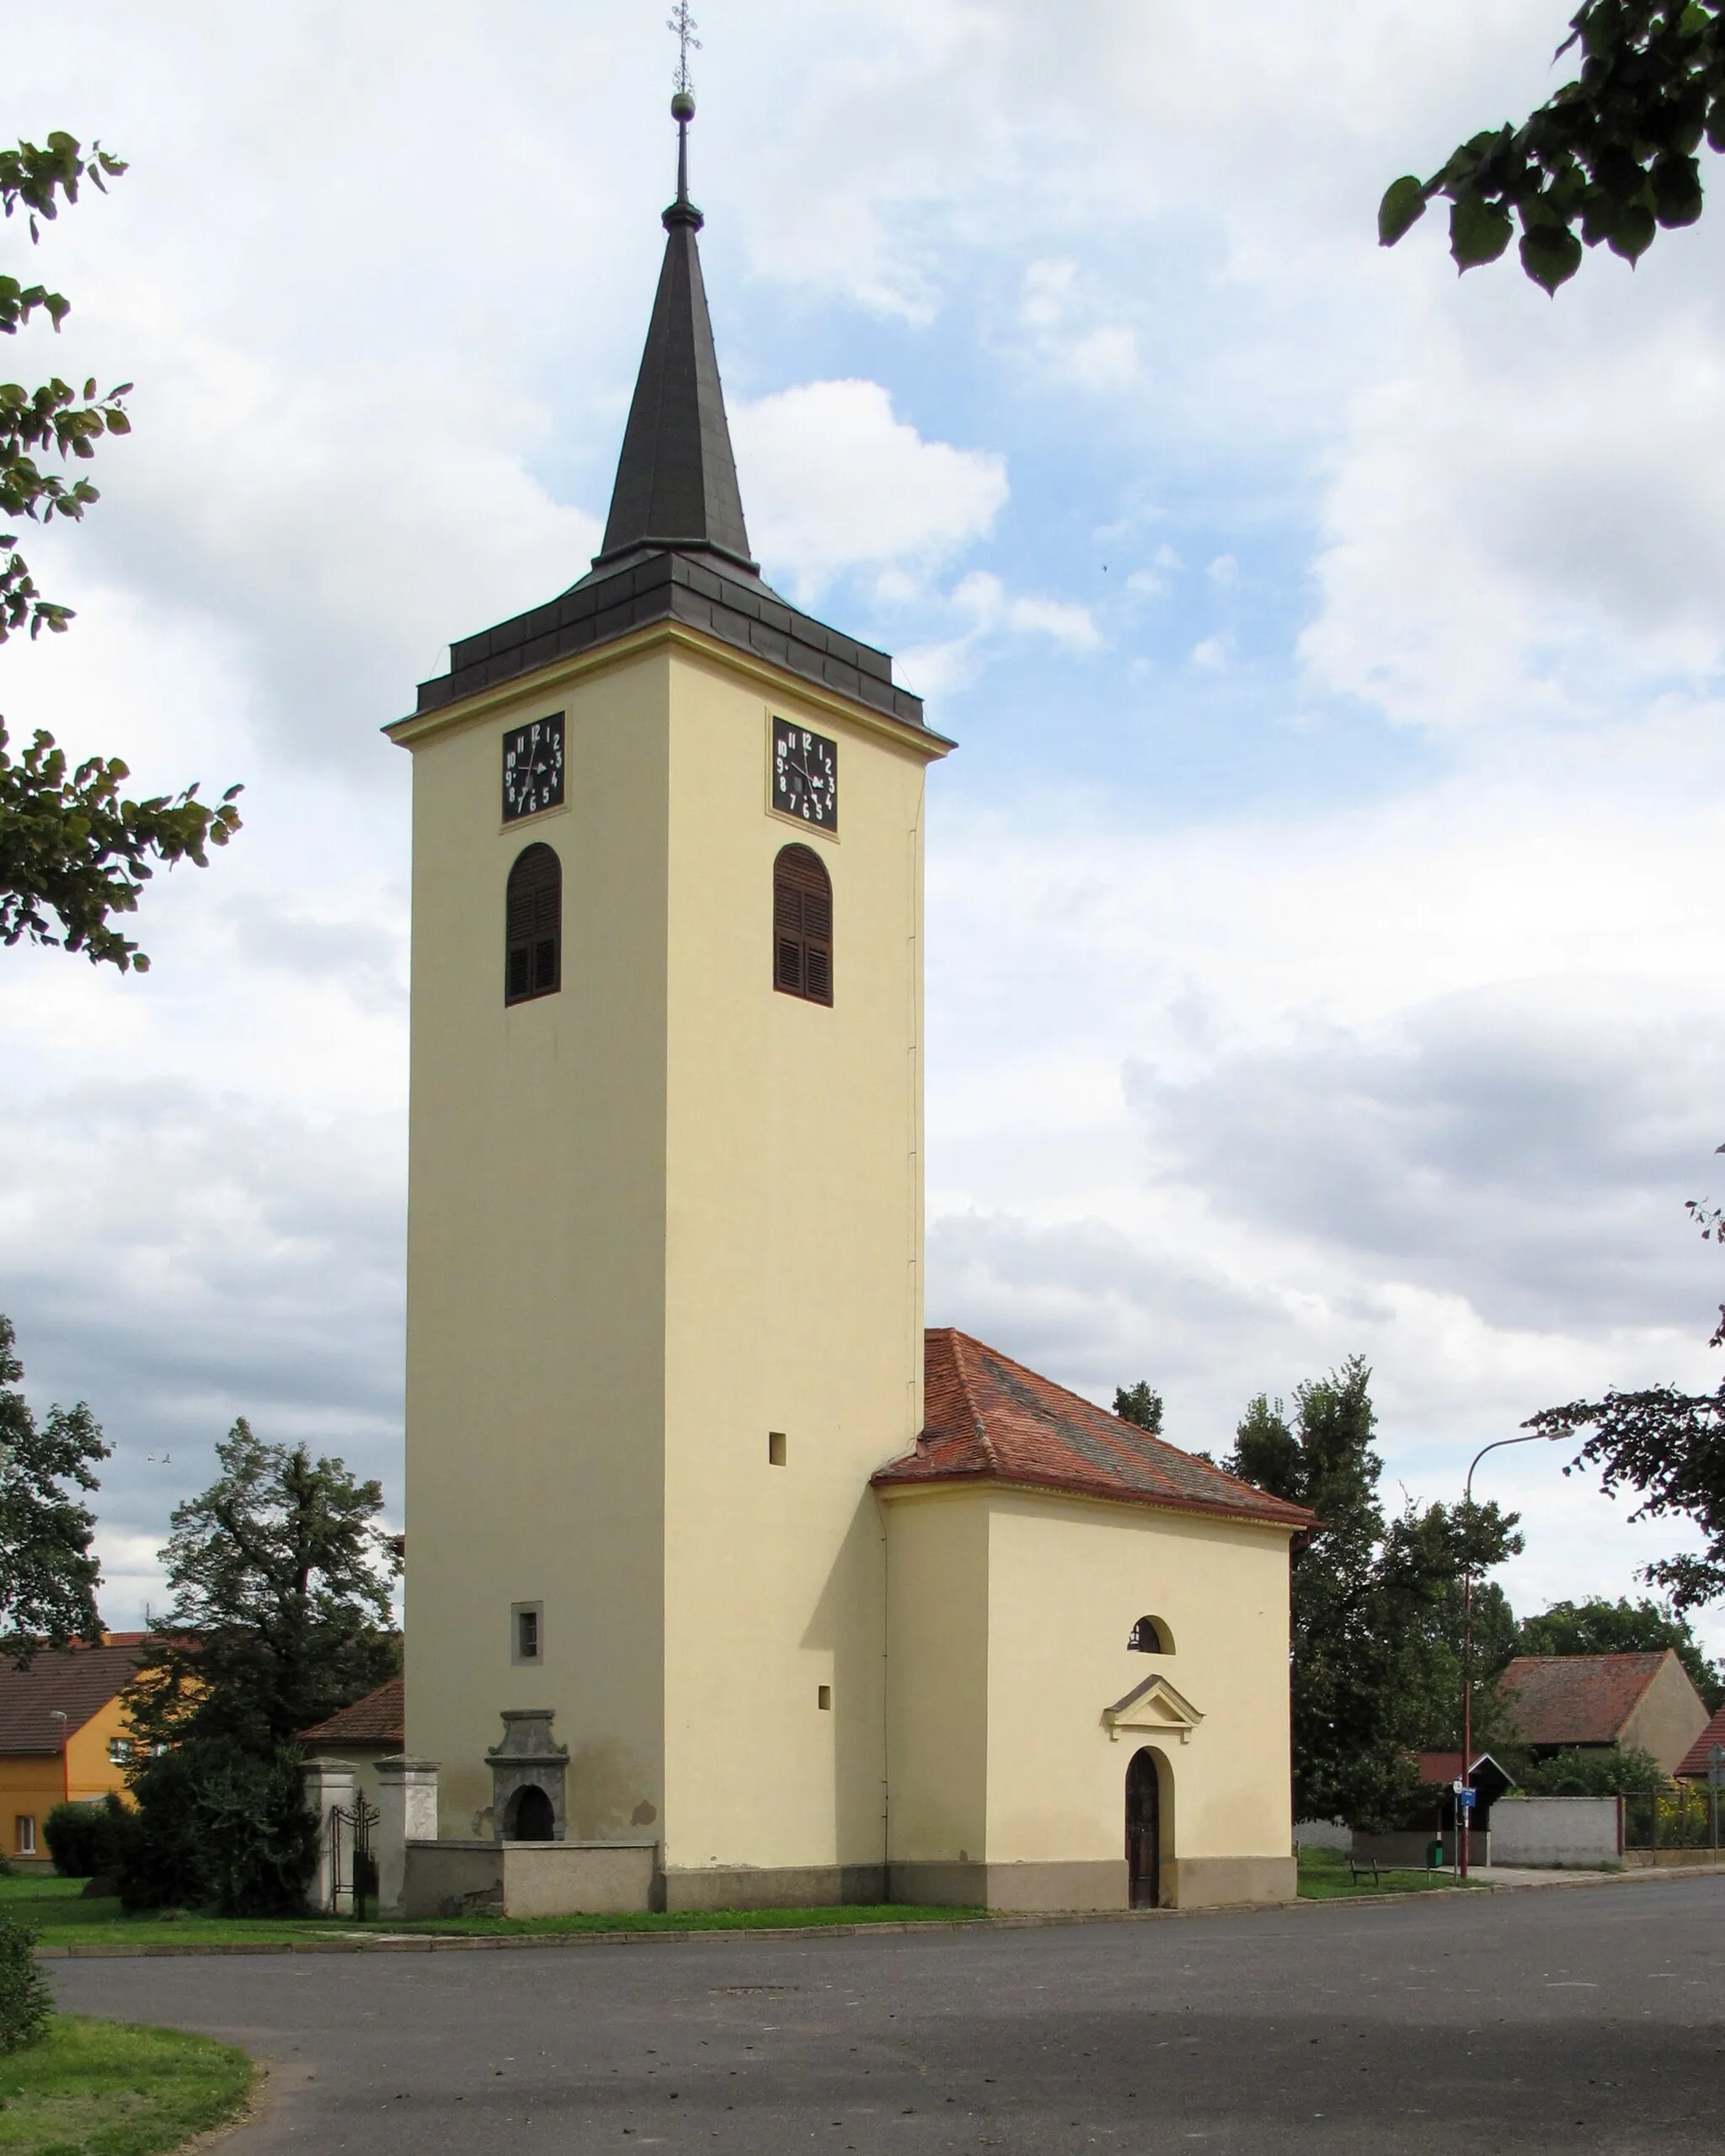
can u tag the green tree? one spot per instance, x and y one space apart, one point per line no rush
48 1577
280 1578
1139 1403
74 850
1599 1626
1612 156
1375 1602
215 1825
1669 1446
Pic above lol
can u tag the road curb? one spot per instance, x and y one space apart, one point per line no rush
1014 1920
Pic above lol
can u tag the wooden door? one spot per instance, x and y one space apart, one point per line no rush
1143 1832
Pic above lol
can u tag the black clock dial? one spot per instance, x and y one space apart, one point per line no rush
805 775
532 768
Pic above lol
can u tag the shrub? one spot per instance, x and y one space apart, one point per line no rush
83 1839
218 1827
1601 1773
26 2002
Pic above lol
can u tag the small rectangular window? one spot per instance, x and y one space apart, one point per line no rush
26 1834
526 1631
823 1696
775 1448
120 1751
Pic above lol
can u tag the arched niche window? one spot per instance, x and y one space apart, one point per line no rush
802 926
533 963
1150 1636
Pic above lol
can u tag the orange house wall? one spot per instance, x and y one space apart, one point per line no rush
31 1784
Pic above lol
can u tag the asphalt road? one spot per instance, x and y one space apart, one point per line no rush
1577 2020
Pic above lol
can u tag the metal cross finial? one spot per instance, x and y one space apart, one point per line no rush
682 25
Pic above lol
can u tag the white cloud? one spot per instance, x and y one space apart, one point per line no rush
832 480
993 618
1213 653
1224 571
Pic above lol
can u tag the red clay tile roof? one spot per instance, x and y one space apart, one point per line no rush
990 1419
1694 1760
1576 1699
79 1681
380 1718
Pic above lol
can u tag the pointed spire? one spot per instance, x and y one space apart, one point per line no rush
677 479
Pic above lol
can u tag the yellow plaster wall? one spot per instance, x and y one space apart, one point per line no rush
1067 1580
1667 1717
535 1242
652 1219
794 1298
938 1625
1059 1584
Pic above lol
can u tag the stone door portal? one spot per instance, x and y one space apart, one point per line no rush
1144 1833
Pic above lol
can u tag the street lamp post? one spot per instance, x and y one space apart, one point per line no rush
1464 1812
58 1714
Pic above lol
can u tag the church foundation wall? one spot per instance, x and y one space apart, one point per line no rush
1099 1885
788 1887
1211 1882
437 1878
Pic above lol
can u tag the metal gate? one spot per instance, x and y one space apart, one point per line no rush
353 1869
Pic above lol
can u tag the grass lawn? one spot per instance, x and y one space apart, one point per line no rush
1324 1877
104 2089
56 1908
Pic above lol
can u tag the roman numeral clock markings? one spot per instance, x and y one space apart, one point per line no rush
805 775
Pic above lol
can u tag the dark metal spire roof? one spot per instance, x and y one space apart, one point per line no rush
677 479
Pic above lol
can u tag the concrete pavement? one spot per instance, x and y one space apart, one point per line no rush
1537 2021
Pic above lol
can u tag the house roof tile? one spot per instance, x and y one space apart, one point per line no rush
78 1682
1577 1698
380 1718
1694 1761
990 1419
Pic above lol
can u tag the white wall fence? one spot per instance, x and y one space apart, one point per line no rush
1556 1832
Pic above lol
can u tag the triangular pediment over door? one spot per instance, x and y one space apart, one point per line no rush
1153 1708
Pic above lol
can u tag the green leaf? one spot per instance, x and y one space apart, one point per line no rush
1632 234
1479 232
1677 191
1403 207
1551 254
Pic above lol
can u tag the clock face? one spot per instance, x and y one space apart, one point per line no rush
805 775
532 768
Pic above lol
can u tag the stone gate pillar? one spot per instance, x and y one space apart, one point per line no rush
407 1808
329 1787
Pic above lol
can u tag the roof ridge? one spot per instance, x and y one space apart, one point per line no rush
1140 1434
979 1427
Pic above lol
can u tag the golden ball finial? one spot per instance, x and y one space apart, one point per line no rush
682 107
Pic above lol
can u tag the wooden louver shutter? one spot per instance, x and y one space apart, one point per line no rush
533 965
802 926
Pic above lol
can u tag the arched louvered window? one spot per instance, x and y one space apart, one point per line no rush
802 926
533 965
1150 1636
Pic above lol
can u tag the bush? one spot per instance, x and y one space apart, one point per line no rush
83 1839
1590 1773
26 2004
218 1827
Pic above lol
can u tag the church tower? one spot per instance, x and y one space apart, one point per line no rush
664 1233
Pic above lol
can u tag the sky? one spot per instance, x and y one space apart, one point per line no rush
1322 954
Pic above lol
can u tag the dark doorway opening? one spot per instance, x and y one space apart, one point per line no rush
1144 1833
531 1819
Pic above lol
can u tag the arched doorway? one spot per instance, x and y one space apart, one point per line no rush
531 1819
1143 1832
